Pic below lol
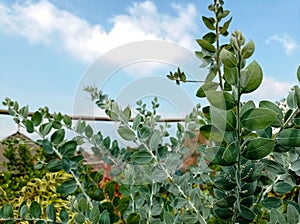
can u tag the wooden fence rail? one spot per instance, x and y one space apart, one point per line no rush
95 118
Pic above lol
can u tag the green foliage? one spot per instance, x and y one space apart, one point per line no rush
248 172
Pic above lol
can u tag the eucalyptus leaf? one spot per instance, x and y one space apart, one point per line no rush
276 217
258 148
142 157
289 137
231 75
58 136
221 100
247 213
248 50
51 213
67 187
271 202
35 210
209 22
257 118
270 105
206 45
155 140
64 216
282 188
223 213
36 118
226 202
126 133
223 119
210 37
208 86
251 77
228 58
292 215
7 211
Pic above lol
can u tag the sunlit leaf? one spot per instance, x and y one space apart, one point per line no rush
247 50
206 45
251 77
221 100
228 58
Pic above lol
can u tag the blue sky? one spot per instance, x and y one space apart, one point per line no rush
47 48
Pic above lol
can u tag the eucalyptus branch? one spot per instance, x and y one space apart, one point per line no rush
77 180
201 219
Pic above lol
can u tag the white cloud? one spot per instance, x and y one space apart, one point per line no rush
271 89
288 43
43 22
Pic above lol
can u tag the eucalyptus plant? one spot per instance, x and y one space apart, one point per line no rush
252 143
248 173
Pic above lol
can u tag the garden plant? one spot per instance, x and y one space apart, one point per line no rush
247 172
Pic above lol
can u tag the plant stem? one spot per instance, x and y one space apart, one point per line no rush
218 48
239 142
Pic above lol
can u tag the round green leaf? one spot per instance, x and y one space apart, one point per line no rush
23 210
36 118
271 202
144 132
58 136
247 213
248 50
282 188
231 153
251 77
257 118
88 131
7 211
210 37
51 213
45 128
228 58
35 210
231 75
133 218
64 216
223 213
54 165
259 148
226 202
289 137
67 187
209 22
29 126
221 100
68 148
272 106
206 45
126 133
142 157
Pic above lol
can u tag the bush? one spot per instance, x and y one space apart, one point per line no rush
247 173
